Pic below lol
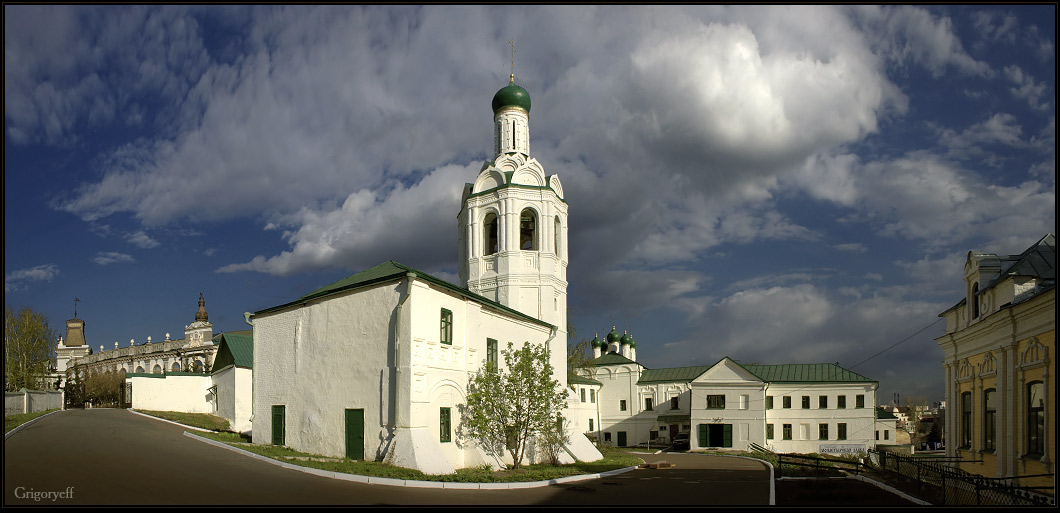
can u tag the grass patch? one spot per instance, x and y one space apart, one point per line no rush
227 437
199 420
14 421
485 474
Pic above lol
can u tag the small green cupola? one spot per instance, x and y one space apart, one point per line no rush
626 339
596 342
511 95
613 337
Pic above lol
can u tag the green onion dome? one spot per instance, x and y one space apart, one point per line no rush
596 342
626 339
511 95
613 336
632 343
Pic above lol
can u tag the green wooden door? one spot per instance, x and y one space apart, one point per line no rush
621 438
702 439
277 425
355 434
727 441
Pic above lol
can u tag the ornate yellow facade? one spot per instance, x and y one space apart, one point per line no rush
1000 367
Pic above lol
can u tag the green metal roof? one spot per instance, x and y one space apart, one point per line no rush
574 379
805 373
612 359
882 413
391 270
674 418
684 374
236 348
511 95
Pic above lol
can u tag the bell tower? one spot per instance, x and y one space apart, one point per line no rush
513 223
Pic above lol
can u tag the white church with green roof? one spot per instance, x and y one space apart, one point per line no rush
801 408
375 366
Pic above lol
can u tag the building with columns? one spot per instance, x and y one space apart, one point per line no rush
375 366
193 353
1000 369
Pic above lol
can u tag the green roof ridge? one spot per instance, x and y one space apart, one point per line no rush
391 270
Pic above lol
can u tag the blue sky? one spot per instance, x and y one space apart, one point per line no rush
772 184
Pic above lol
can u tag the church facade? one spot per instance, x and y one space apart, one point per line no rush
375 366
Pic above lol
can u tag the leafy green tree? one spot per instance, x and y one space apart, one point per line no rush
104 388
508 407
28 347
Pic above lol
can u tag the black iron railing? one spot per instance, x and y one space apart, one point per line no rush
937 481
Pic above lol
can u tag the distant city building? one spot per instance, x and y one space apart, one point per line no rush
1000 366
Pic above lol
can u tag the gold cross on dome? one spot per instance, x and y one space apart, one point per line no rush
512 44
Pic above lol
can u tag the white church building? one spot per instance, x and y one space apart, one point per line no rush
375 366
789 408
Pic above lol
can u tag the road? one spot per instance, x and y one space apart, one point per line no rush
115 457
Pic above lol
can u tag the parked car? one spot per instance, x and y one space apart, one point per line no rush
681 442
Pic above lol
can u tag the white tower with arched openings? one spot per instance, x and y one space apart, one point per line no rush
513 226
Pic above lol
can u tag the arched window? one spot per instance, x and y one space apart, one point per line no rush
528 230
975 301
557 232
158 369
176 367
139 368
490 233
197 366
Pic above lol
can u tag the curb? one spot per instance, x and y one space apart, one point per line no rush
387 481
24 424
170 421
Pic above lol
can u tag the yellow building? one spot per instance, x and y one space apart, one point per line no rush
1000 368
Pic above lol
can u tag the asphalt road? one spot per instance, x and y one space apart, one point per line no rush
115 457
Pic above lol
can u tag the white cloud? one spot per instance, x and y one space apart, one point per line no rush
996 26
369 228
142 240
903 34
923 197
15 280
853 247
807 323
111 257
58 76
1026 87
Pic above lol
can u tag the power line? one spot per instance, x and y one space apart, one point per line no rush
899 342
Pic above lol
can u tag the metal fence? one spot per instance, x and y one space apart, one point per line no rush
816 466
935 481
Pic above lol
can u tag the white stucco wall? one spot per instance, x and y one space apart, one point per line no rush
861 422
744 405
235 386
319 359
189 394
378 349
